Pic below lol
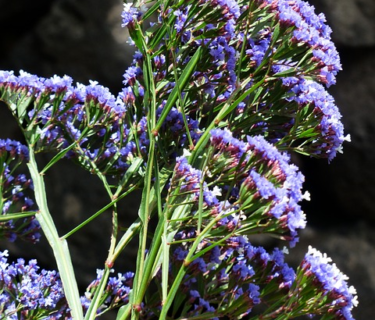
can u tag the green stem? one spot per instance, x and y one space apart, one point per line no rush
58 245
229 106
125 239
95 215
145 208
181 273
12 216
95 303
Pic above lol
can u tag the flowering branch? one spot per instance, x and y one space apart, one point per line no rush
218 96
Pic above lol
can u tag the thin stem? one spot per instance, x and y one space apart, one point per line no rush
145 209
95 215
181 273
95 302
12 216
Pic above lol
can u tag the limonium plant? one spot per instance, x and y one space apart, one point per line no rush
219 96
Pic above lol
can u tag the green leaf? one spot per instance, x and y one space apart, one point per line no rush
275 34
289 72
18 215
99 291
136 35
150 11
22 107
132 171
308 133
180 85
124 311
57 157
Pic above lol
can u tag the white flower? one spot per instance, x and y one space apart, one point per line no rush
306 196
186 153
216 191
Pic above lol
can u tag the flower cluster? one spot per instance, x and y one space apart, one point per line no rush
325 117
237 55
255 186
188 181
325 285
310 29
217 97
27 293
116 292
234 276
85 121
16 194
230 279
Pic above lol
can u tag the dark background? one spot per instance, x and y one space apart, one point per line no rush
84 39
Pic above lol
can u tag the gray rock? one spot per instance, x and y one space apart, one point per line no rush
346 185
352 20
87 44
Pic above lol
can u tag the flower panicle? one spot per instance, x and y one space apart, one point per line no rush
27 291
259 75
232 278
259 183
17 194
310 29
323 287
88 117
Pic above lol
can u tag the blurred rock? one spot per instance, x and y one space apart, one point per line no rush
346 186
81 39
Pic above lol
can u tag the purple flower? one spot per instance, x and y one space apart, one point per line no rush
58 84
243 270
180 253
28 80
10 149
330 128
230 7
16 193
181 16
31 290
191 176
331 282
253 292
189 179
129 14
224 142
310 28
131 74
7 78
258 50
260 176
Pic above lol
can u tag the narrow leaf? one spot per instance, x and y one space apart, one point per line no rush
180 85
57 157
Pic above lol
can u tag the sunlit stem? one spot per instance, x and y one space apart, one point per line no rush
181 273
58 245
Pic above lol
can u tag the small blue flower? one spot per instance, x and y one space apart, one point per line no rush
129 14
